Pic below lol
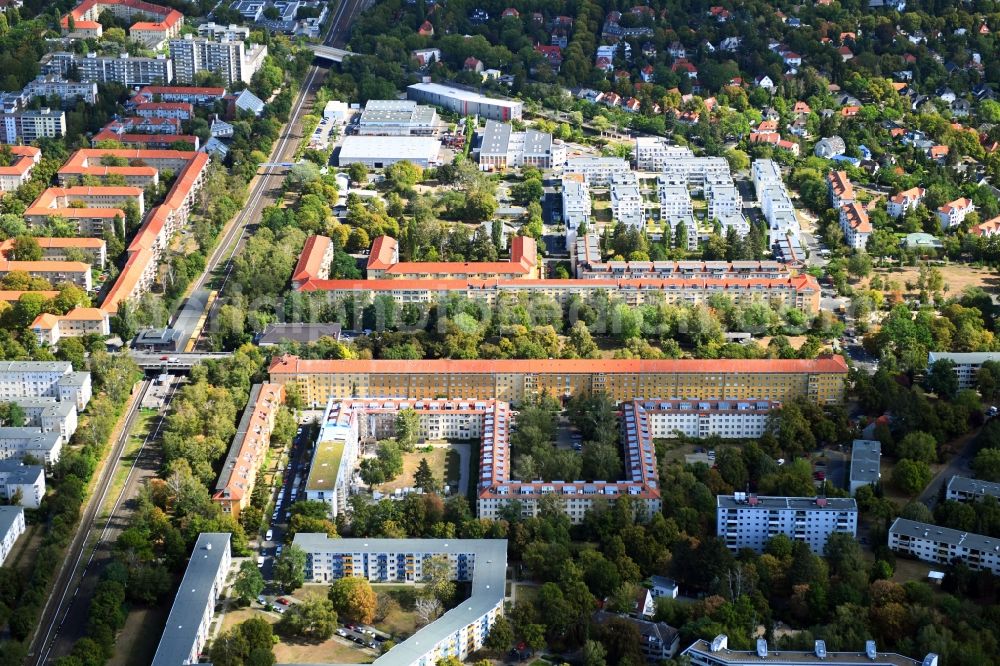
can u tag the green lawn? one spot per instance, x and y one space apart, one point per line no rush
143 426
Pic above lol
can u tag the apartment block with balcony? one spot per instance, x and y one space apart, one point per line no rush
964 489
12 526
746 520
233 61
941 545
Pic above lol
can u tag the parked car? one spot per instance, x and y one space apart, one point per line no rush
260 561
283 601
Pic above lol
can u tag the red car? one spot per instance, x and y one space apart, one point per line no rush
283 601
820 476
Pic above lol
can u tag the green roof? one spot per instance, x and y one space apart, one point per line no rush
325 465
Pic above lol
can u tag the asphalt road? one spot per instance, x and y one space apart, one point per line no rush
960 465
67 585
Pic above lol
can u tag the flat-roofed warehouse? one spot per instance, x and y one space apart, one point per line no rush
378 152
397 117
465 102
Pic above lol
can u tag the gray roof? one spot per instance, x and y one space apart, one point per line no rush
389 147
496 138
663 581
964 484
8 514
194 593
865 457
397 111
247 101
237 442
75 379
913 529
157 336
36 438
294 332
488 585
963 358
537 143
793 503
14 471
36 366
660 631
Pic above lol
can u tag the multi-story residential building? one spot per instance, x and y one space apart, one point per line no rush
166 110
778 210
855 225
57 86
781 380
92 209
953 213
653 153
589 265
675 199
626 200
909 199
502 148
695 171
717 653
12 527
967 364
49 329
597 170
314 262
384 263
150 34
725 203
18 173
224 33
866 460
25 481
942 545
248 449
840 188
798 291
459 632
55 272
233 61
737 419
196 95
35 379
398 117
49 414
28 125
94 250
964 489
465 102
18 442
124 69
749 521
658 641
576 203
334 455
188 626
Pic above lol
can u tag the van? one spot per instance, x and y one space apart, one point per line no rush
268 535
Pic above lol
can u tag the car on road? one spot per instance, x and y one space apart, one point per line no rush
277 551
268 535
260 561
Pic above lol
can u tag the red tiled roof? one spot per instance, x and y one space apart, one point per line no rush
311 260
283 365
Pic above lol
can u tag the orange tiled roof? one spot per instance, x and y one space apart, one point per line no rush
311 260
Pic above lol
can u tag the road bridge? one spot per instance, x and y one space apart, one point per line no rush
330 53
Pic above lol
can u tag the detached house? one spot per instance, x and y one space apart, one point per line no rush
908 200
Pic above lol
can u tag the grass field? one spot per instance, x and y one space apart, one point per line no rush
332 651
144 424
435 458
956 276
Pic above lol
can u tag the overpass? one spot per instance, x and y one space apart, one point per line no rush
329 52
172 362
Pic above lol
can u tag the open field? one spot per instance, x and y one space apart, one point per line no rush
435 458
138 639
956 277
333 651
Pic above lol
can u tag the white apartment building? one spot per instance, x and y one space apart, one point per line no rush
224 33
727 419
55 85
675 199
942 545
964 489
652 153
696 171
597 170
626 200
774 201
232 60
909 199
124 69
717 653
750 521
460 631
855 225
33 379
27 125
967 364
334 456
725 203
24 441
576 204
11 527
28 480
840 188
189 624
49 414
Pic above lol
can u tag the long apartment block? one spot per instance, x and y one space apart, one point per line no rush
941 545
383 262
124 69
34 379
967 364
459 632
248 449
93 209
716 652
781 380
964 489
749 521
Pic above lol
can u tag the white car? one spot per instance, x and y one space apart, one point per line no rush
260 561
